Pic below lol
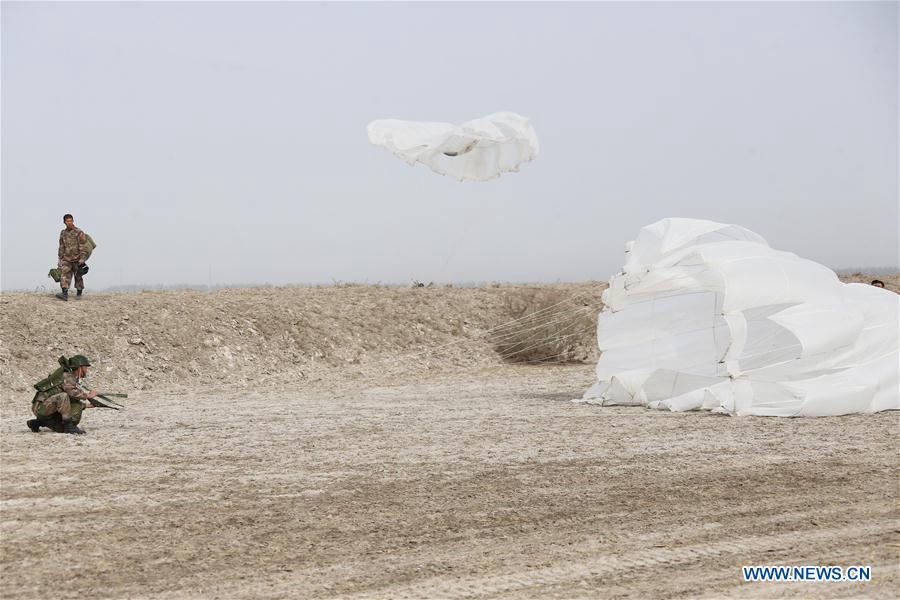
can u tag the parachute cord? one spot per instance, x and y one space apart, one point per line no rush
551 319
536 330
467 225
557 338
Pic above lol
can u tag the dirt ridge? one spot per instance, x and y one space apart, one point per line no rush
260 336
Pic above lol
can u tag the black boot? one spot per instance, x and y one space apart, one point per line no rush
64 295
53 422
78 294
70 427
34 425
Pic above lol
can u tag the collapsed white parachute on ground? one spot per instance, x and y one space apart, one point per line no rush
708 316
477 150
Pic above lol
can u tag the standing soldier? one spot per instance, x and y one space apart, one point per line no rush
59 400
72 254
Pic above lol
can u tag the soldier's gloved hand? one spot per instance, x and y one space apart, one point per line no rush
91 394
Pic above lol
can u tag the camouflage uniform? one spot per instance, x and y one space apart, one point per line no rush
67 400
72 252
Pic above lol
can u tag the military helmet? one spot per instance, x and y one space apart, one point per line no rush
79 360
83 269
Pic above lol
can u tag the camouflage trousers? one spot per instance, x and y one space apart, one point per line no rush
45 406
68 268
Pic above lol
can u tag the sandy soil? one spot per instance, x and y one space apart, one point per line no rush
488 485
459 477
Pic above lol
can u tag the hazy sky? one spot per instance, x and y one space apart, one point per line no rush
226 142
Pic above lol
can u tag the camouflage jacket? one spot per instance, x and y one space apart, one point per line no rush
70 386
72 246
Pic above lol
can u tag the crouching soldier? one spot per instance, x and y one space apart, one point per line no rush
59 400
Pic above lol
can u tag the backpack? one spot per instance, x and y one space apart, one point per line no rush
89 242
54 379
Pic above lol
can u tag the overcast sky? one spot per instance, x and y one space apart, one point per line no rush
226 142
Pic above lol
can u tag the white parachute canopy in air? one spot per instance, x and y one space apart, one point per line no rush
708 316
477 150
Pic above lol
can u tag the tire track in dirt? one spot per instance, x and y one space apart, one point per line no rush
806 589
407 489
643 560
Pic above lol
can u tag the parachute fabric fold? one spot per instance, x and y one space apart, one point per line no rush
477 150
707 316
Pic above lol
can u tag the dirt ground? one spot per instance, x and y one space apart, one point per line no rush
367 442
489 484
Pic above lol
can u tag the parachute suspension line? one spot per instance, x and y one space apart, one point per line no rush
534 322
535 330
655 332
537 312
715 299
553 340
557 338
467 225
569 314
488 332
414 355
555 359
540 317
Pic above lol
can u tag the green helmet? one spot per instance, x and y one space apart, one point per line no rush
79 360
